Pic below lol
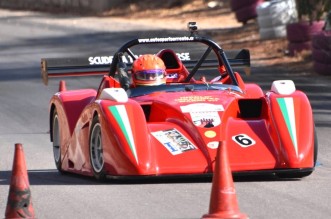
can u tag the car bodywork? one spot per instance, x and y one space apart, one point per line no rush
176 128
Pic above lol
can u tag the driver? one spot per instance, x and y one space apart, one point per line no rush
148 70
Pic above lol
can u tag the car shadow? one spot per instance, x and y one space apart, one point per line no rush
53 177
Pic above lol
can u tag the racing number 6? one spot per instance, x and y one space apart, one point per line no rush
243 140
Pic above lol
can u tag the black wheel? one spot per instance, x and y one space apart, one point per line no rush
322 68
322 40
56 141
321 56
247 13
300 32
96 150
305 173
315 146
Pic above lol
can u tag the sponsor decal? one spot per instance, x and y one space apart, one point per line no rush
287 108
172 75
122 119
100 60
190 99
204 114
174 141
165 39
202 107
206 119
243 140
184 56
210 134
213 144
107 60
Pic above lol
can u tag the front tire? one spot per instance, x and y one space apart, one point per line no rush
57 154
96 150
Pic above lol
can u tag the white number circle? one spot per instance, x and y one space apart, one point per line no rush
243 140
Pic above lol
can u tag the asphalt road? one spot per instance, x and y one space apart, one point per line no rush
25 38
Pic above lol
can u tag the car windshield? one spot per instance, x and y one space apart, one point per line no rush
141 91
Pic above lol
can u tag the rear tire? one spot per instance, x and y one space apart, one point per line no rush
57 154
96 150
315 147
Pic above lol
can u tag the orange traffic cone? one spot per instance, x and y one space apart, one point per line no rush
62 86
223 200
19 203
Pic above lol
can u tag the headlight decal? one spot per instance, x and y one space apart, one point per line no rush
121 116
287 108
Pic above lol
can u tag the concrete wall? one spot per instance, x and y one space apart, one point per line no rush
85 6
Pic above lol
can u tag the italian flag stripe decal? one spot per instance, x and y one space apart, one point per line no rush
121 116
287 107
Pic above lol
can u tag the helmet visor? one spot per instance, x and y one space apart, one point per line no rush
150 75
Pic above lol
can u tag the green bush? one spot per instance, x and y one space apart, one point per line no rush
328 22
312 10
328 17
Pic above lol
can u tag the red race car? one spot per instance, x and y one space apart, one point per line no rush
165 114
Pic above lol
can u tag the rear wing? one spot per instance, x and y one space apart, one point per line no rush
100 65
